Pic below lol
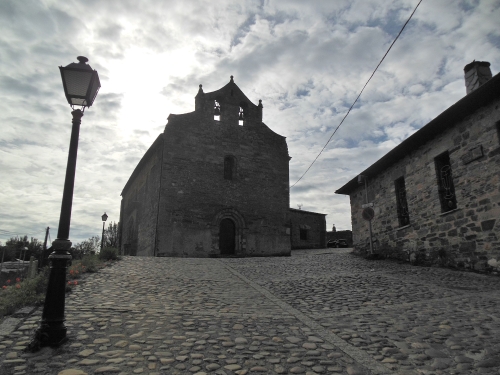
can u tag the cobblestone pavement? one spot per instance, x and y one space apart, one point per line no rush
316 312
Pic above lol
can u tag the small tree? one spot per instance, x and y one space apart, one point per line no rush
16 245
111 235
89 246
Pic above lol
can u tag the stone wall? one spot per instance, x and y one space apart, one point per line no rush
196 196
468 236
139 209
313 228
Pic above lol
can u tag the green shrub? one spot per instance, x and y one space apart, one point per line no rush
108 253
91 263
24 293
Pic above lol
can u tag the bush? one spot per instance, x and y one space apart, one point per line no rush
23 293
90 263
108 253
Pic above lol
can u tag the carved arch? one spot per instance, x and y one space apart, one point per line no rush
240 229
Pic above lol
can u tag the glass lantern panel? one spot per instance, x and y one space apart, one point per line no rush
77 82
96 85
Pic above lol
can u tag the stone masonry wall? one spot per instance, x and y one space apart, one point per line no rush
195 194
313 223
467 237
140 205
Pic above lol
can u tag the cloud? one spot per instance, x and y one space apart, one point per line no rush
307 61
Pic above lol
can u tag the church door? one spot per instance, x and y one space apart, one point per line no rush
227 235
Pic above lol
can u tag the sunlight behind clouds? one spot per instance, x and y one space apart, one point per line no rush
307 61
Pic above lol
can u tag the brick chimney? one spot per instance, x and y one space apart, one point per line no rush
476 74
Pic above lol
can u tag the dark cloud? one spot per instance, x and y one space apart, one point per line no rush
110 103
15 86
110 32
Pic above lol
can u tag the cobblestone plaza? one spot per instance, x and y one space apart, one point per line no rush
316 312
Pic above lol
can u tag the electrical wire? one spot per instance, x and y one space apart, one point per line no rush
369 79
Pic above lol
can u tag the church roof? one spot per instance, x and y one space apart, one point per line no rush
230 91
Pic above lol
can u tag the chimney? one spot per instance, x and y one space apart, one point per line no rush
476 74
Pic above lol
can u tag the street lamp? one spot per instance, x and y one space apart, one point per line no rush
104 218
81 84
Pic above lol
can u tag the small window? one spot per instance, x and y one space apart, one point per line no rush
229 168
402 204
216 110
446 187
303 234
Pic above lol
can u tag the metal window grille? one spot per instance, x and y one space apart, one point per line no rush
446 188
402 204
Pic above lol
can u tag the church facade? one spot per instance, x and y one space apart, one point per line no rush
214 183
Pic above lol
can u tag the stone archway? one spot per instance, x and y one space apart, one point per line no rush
229 233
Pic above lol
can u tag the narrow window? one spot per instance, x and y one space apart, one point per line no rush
303 234
446 188
229 168
402 204
216 110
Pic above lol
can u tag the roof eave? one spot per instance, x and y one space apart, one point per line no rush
464 107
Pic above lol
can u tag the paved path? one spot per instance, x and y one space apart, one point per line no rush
317 312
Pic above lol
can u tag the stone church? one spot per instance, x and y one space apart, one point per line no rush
214 183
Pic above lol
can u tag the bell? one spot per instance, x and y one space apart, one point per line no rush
241 116
217 111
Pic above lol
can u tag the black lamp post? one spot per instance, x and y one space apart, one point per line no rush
81 84
104 218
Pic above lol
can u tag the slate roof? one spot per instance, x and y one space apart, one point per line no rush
464 107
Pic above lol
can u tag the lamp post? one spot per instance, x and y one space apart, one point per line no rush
104 218
81 84
361 179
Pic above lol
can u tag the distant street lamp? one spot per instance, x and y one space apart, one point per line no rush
81 84
104 218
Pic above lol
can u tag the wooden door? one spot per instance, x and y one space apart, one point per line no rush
227 235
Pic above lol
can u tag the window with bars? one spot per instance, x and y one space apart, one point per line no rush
446 187
402 204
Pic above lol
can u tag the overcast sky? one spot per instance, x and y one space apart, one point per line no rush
306 60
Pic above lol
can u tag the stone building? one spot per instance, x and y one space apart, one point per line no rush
214 183
308 229
436 196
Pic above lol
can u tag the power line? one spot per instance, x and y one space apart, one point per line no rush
369 79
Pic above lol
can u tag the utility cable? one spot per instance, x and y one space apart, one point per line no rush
369 79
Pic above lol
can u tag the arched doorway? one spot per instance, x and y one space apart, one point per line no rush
227 234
